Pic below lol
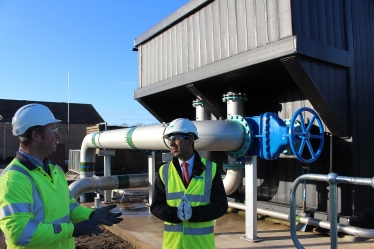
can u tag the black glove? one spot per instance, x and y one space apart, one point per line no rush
104 213
87 227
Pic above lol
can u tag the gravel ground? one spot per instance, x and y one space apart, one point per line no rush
106 240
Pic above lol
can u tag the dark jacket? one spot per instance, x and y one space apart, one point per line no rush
215 209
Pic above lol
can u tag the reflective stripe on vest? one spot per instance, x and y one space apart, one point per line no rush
190 197
198 231
14 208
73 205
36 208
188 230
173 227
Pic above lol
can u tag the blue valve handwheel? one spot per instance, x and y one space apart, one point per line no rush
300 135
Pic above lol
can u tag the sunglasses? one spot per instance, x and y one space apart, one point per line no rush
54 131
177 137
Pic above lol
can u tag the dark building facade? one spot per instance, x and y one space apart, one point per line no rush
72 128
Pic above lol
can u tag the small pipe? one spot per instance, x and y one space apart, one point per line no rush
141 180
107 183
357 231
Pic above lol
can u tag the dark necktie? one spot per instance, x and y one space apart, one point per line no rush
185 174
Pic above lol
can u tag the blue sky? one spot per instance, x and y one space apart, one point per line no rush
40 41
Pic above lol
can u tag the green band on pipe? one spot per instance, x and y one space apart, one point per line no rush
129 138
123 181
298 218
93 139
87 166
233 166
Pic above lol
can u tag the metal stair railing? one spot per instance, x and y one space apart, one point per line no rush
332 179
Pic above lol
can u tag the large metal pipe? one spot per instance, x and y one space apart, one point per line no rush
214 135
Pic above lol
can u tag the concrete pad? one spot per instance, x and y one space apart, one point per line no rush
143 230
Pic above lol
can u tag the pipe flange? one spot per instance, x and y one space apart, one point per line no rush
115 182
266 134
234 97
233 166
247 139
197 103
128 138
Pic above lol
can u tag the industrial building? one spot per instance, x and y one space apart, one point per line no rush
276 90
282 55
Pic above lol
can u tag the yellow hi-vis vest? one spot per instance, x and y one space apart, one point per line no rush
187 234
38 210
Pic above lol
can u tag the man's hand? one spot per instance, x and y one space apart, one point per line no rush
87 227
109 218
184 209
187 209
180 212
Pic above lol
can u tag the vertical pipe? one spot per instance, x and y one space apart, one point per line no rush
331 152
292 216
235 106
251 199
107 172
97 200
331 179
202 113
151 174
5 123
68 101
107 168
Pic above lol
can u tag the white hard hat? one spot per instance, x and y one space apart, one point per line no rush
31 115
181 125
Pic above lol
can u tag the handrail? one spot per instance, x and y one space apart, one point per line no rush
333 179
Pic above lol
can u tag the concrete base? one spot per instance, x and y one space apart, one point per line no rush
143 230
252 240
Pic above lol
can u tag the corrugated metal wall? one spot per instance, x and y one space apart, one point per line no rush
362 93
325 22
322 21
347 25
221 29
333 85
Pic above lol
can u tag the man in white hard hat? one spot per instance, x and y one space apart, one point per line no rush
37 209
188 193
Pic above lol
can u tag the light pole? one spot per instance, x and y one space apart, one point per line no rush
5 123
1 118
